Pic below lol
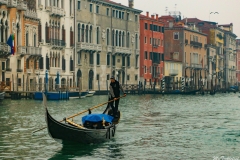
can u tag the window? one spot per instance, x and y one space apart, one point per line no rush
79 57
136 62
176 55
136 18
159 29
91 59
145 39
18 64
150 40
71 64
79 35
97 77
113 13
145 69
176 35
113 60
158 42
79 5
108 41
97 9
128 77
108 77
107 12
151 27
97 36
19 81
98 59
122 15
91 9
146 55
136 77
128 61
108 59
146 26
123 60
127 16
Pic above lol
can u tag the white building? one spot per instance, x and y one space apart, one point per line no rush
57 41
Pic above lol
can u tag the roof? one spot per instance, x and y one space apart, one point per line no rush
119 5
191 20
225 25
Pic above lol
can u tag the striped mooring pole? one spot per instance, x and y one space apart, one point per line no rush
163 84
183 84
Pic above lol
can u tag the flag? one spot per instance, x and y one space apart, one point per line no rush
10 42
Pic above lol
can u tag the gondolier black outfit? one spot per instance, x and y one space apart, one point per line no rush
115 88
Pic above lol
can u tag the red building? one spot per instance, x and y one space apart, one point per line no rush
151 49
238 61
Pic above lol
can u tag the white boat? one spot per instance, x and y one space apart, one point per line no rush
2 94
90 93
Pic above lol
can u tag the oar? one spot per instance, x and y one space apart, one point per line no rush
44 102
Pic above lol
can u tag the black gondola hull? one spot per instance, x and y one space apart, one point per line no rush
66 133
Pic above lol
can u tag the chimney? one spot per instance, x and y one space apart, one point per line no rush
170 24
147 14
156 16
152 16
130 3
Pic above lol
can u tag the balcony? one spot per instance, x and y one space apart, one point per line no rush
196 44
55 11
54 70
33 51
2 2
12 3
37 71
30 14
8 69
4 49
137 51
19 70
40 6
197 66
29 71
57 43
185 65
109 49
123 50
21 50
22 6
89 47
155 46
173 72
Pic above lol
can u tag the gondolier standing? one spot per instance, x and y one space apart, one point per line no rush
115 88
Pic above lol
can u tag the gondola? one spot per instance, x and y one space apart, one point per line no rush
67 131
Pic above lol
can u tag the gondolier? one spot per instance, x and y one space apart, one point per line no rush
115 88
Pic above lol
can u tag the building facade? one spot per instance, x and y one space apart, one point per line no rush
238 62
187 44
229 55
56 40
107 43
151 49
12 23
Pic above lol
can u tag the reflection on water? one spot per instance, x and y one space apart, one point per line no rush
152 127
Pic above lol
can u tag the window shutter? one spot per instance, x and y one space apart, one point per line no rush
39 33
47 63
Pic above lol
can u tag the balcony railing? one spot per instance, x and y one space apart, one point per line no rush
21 50
22 6
33 51
12 3
137 51
29 71
56 43
9 69
196 44
173 72
30 14
4 2
123 50
89 46
4 47
56 11
194 65
54 70
19 70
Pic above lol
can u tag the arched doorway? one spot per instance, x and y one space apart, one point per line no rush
79 75
90 77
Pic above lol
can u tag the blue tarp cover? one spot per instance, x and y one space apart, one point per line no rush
97 118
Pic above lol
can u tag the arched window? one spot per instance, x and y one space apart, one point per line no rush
107 36
82 32
79 34
123 41
128 40
90 35
113 38
116 42
86 33
97 35
120 39
136 41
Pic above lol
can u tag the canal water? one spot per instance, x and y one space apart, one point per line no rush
169 127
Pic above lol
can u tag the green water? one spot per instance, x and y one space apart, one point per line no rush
166 127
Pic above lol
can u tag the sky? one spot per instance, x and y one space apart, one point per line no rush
229 10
